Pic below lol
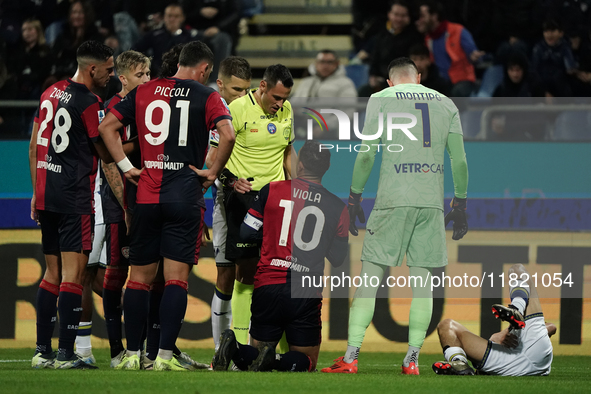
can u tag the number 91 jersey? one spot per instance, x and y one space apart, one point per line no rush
68 119
173 118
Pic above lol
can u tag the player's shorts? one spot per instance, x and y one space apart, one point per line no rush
171 230
418 233
220 228
237 205
274 311
61 232
117 245
532 357
98 256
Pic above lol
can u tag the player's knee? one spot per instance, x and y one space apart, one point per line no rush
445 325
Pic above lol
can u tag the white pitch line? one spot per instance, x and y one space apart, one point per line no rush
14 361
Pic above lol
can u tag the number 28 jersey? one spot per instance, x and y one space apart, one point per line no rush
68 119
173 118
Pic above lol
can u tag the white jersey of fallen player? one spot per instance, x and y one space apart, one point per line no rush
98 206
532 357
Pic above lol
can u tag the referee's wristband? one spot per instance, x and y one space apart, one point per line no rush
125 165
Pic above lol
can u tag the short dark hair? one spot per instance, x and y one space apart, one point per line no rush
329 52
278 73
551 25
316 161
399 63
194 53
170 61
402 3
93 50
236 66
419 50
435 7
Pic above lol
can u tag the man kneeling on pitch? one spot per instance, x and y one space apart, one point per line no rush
319 223
523 349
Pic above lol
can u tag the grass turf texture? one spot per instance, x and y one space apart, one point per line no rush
378 372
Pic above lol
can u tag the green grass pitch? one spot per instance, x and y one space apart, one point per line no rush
378 372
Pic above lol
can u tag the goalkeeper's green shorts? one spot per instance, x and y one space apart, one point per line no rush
418 233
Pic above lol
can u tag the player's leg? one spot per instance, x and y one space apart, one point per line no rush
426 250
75 245
117 261
83 342
242 297
153 324
146 235
360 316
421 309
524 297
181 242
459 345
246 256
47 294
221 304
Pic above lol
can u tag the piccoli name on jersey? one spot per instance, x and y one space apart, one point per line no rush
167 91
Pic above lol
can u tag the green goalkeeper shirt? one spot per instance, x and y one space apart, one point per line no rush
412 170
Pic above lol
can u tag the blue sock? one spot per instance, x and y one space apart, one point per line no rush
70 310
136 304
244 356
46 305
153 329
172 312
293 362
112 309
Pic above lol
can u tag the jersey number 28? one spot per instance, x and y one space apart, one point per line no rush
61 126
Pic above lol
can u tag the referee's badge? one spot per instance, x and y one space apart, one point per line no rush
287 133
271 128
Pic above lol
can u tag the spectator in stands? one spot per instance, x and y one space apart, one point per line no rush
79 28
327 79
430 77
368 19
518 81
214 19
581 48
394 40
31 61
452 47
8 90
157 42
553 61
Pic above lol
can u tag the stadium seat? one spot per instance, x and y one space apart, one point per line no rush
573 126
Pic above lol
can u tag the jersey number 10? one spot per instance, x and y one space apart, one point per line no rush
287 205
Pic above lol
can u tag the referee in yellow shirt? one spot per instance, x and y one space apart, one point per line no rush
263 122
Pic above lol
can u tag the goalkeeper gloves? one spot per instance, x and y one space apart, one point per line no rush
355 211
227 178
458 215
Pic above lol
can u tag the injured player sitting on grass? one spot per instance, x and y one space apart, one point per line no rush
522 349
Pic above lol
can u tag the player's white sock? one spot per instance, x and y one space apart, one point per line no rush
351 354
130 353
412 356
83 345
455 353
221 314
520 304
165 354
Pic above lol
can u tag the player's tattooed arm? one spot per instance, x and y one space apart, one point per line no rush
115 182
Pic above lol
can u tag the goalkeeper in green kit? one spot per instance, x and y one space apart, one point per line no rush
407 218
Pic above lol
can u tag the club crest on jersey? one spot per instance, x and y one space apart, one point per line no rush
271 128
101 115
162 157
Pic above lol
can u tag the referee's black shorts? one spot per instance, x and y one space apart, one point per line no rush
274 311
237 206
